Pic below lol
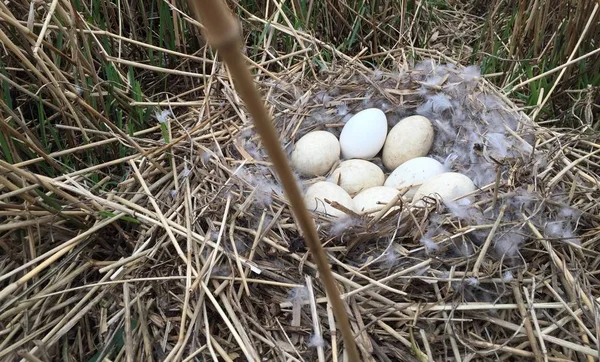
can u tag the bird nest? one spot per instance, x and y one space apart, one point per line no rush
209 261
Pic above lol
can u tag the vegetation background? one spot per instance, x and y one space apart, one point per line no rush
124 55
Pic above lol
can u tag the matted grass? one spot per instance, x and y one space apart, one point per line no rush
136 239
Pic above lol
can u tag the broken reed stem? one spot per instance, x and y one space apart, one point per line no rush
222 32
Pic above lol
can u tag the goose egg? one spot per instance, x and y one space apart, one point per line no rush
317 193
374 198
357 175
364 134
413 173
445 187
315 153
412 137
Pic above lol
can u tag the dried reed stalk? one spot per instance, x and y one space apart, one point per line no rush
222 32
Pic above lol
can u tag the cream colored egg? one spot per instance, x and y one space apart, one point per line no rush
357 175
373 199
315 153
412 137
364 134
317 193
446 186
413 173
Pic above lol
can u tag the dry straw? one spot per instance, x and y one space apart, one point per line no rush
187 249
223 33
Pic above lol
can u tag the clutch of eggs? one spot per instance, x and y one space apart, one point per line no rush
361 186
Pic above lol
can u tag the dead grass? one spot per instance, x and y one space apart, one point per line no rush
125 238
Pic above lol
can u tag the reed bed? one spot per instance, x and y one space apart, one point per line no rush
175 241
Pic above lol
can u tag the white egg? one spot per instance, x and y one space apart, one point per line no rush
373 199
317 193
315 153
357 175
412 137
364 134
446 186
413 173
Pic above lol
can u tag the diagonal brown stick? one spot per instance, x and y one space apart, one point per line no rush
222 32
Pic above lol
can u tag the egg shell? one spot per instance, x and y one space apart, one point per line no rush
315 153
317 193
374 198
364 134
357 175
412 137
413 173
445 187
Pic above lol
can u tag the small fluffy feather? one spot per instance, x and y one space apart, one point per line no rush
343 224
429 244
186 172
162 117
508 244
433 81
499 144
299 294
462 208
470 73
377 74
562 230
316 341
435 105
472 281
463 248
342 109
449 161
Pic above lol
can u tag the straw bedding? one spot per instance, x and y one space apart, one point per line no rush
208 262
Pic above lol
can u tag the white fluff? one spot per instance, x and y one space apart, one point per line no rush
435 105
562 230
429 244
342 109
449 161
316 341
462 208
464 249
186 172
433 81
470 73
472 281
439 102
323 97
162 117
377 74
342 224
569 213
508 244
499 144
299 295
265 188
